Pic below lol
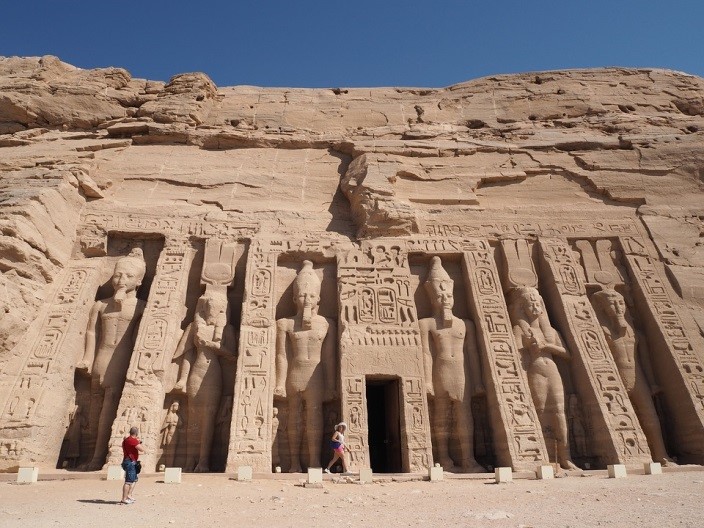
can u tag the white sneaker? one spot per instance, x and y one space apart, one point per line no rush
326 470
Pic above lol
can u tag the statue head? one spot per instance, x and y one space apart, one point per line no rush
530 301
612 304
306 292
128 274
439 286
212 304
174 407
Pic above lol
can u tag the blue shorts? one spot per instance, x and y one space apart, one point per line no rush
130 471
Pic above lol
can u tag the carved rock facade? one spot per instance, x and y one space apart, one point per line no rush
289 237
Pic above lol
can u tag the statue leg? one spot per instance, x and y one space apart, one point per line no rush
294 432
192 435
648 417
559 420
441 426
462 418
107 416
207 428
314 430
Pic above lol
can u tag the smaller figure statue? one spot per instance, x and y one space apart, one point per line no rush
539 342
452 370
275 438
632 359
208 338
77 424
110 337
305 366
172 422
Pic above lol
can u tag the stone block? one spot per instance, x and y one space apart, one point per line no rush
115 473
545 472
172 475
365 475
652 468
616 471
503 475
27 475
315 476
244 473
435 473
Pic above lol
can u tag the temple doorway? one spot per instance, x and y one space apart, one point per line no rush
384 424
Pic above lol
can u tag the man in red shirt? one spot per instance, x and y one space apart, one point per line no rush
131 448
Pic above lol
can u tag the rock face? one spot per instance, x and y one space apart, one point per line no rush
503 272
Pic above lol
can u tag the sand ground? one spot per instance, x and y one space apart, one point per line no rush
673 499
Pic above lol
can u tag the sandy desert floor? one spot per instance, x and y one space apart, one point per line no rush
673 499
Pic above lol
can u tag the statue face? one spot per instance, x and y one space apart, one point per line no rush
127 276
214 306
308 296
532 304
443 297
617 305
174 406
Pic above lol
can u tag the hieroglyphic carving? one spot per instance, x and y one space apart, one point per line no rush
619 437
158 334
681 368
354 407
415 424
250 433
518 439
44 383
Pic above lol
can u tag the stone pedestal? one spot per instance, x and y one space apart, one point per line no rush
436 474
652 468
172 476
503 475
27 475
115 473
244 473
545 472
617 471
365 475
315 476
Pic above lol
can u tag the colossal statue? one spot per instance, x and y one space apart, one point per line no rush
110 337
539 342
305 366
632 359
207 340
452 370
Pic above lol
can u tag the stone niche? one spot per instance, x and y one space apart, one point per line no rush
502 273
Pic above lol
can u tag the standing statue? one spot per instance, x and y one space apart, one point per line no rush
171 423
110 337
633 362
539 342
452 370
207 340
305 366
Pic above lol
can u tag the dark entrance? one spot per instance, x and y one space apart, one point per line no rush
384 415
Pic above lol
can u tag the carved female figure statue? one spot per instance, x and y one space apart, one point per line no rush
305 366
539 342
171 423
452 370
110 336
208 338
633 362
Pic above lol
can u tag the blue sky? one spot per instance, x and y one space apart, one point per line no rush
358 42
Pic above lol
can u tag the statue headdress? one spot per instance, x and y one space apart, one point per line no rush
305 277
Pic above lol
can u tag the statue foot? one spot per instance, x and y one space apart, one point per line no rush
93 465
295 468
473 467
568 465
447 464
201 468
667 462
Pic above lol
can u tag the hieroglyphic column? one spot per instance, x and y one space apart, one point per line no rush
380 337
250 433
142 398
680 369
32 422
518 439
617 435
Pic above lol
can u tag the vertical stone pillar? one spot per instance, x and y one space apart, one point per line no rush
617 435
354 411
250 433
142 398
32 423
680 369
518 438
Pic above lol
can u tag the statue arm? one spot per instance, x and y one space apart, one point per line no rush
86 362
281 358
185 348
427 355
473 360
329 361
